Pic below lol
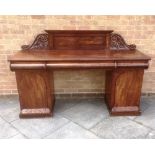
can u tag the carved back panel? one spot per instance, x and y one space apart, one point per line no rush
76 40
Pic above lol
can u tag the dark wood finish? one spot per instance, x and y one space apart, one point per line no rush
40 42
89 49
123 89
78 39
77 55
82 39
117 42
35 92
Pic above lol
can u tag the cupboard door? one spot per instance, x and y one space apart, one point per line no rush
34 87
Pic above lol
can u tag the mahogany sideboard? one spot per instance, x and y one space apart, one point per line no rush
83 49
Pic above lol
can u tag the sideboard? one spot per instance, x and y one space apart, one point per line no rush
78 49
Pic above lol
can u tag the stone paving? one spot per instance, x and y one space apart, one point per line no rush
77 118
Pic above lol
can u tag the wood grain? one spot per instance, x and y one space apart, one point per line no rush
34 92
78 55
125 90
84 49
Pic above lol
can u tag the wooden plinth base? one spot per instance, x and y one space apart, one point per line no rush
33 113
125 111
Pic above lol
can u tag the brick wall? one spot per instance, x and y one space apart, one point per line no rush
18 30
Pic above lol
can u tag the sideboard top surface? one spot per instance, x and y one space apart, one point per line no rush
78 55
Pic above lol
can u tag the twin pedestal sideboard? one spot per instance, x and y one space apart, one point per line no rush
83 49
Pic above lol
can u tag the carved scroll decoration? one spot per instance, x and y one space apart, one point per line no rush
40 42
118 43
